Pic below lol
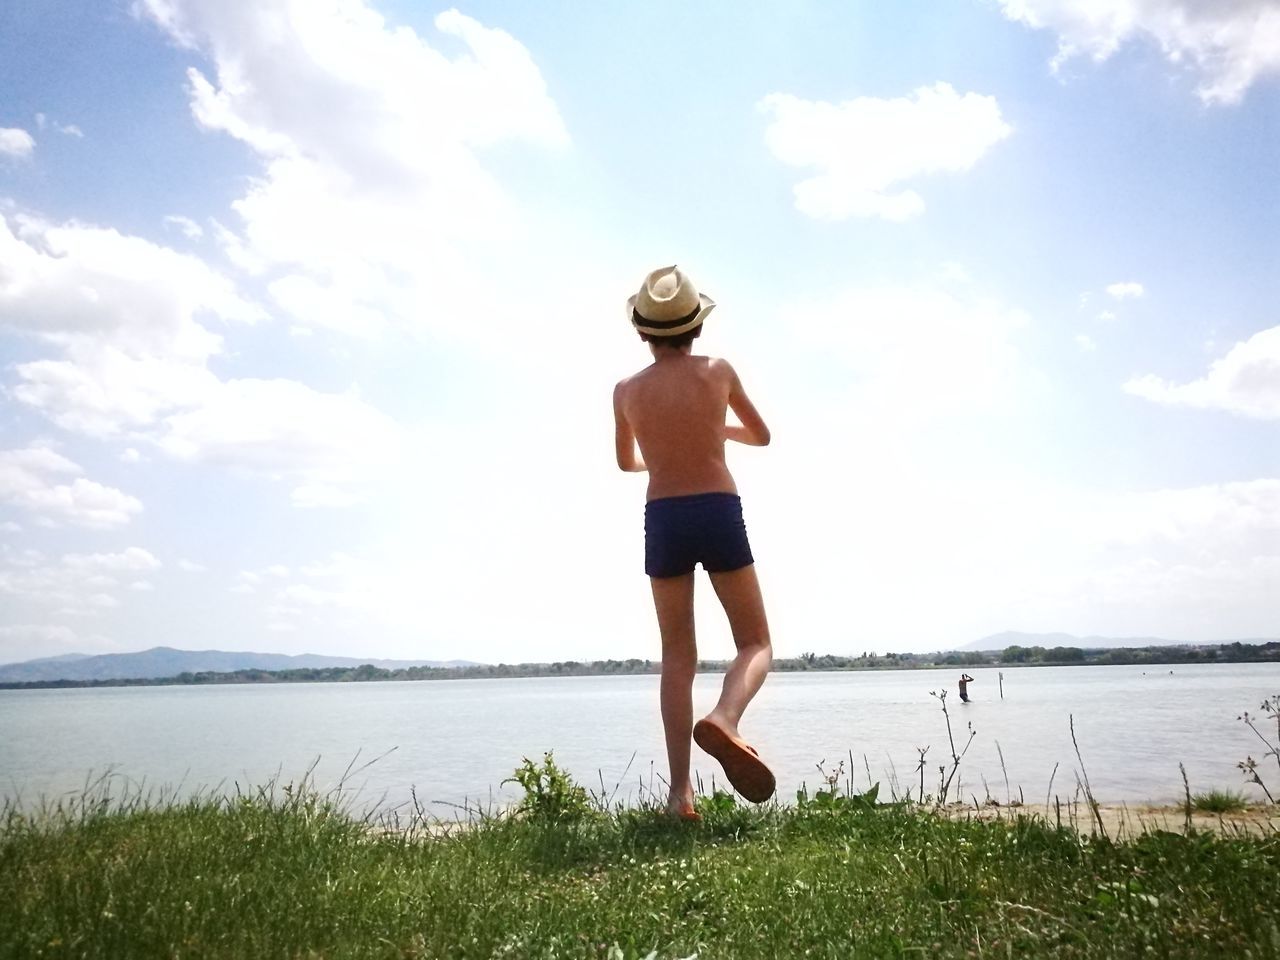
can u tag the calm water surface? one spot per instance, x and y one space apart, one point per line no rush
454 741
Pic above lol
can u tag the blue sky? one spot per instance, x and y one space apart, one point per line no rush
309 315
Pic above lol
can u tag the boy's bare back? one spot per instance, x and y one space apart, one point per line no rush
675 411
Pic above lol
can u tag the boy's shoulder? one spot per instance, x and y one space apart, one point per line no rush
716 366
719 363
720 368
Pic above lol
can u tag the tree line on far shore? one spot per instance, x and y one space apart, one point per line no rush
1013 656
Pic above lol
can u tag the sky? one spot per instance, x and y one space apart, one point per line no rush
310 314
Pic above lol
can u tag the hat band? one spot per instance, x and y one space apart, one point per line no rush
642 321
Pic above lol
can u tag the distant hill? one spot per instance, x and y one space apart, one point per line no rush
1012 638
168 662
62 658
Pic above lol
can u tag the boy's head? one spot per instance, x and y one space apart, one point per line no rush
668 311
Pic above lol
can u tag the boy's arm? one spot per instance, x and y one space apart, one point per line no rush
624 439
753 432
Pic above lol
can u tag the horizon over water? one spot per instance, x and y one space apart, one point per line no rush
453 742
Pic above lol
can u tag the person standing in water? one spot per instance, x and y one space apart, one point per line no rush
965 680
675 410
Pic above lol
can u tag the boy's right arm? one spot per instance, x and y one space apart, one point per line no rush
753 432
624 438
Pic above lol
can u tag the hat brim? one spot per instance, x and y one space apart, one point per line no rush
655 328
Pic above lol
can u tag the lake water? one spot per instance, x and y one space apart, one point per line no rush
454 741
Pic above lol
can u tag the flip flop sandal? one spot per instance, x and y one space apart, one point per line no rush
742 765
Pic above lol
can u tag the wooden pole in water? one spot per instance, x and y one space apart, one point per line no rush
1001 684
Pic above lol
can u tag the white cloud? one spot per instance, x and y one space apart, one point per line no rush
190 566
78 584
20 642
1086 343
20 558
75 285
1229 44
1246 381
1107 316
1215 518
866 149
307 595
341 588
246 581
102 391
373 200
188 227
26 481
1208 557
67 129
38 460
321 596
95 601
972 530
316 495
283 428
84 503
129 319
26 641
129 560
1126 290
15 142
44 633
917 353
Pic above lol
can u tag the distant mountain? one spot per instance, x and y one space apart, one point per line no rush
62 658
168 662
1012 638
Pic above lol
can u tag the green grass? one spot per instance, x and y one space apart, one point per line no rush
288 874
1219 801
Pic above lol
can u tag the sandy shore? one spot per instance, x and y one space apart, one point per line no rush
1121 821
1127 820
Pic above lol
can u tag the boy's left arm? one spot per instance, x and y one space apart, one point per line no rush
624 438
753 430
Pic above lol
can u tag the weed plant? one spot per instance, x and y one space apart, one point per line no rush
286 872
1220 801
1249 767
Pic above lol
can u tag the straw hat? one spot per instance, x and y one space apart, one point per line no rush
668 304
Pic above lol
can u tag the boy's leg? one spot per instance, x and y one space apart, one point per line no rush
673 600
739 594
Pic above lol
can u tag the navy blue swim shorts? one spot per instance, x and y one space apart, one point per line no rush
705 528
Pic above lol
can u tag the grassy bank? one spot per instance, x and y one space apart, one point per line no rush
286 873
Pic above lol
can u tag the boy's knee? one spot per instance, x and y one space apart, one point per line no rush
679 653
756 646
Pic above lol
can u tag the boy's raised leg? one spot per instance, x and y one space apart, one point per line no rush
673 600
739 594
717 733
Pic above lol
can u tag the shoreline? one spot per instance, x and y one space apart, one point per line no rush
1125 821
598 668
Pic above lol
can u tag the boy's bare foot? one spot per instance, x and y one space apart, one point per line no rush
741 763
680 807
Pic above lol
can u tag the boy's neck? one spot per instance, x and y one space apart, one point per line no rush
661 353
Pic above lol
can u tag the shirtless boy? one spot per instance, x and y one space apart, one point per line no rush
674 410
